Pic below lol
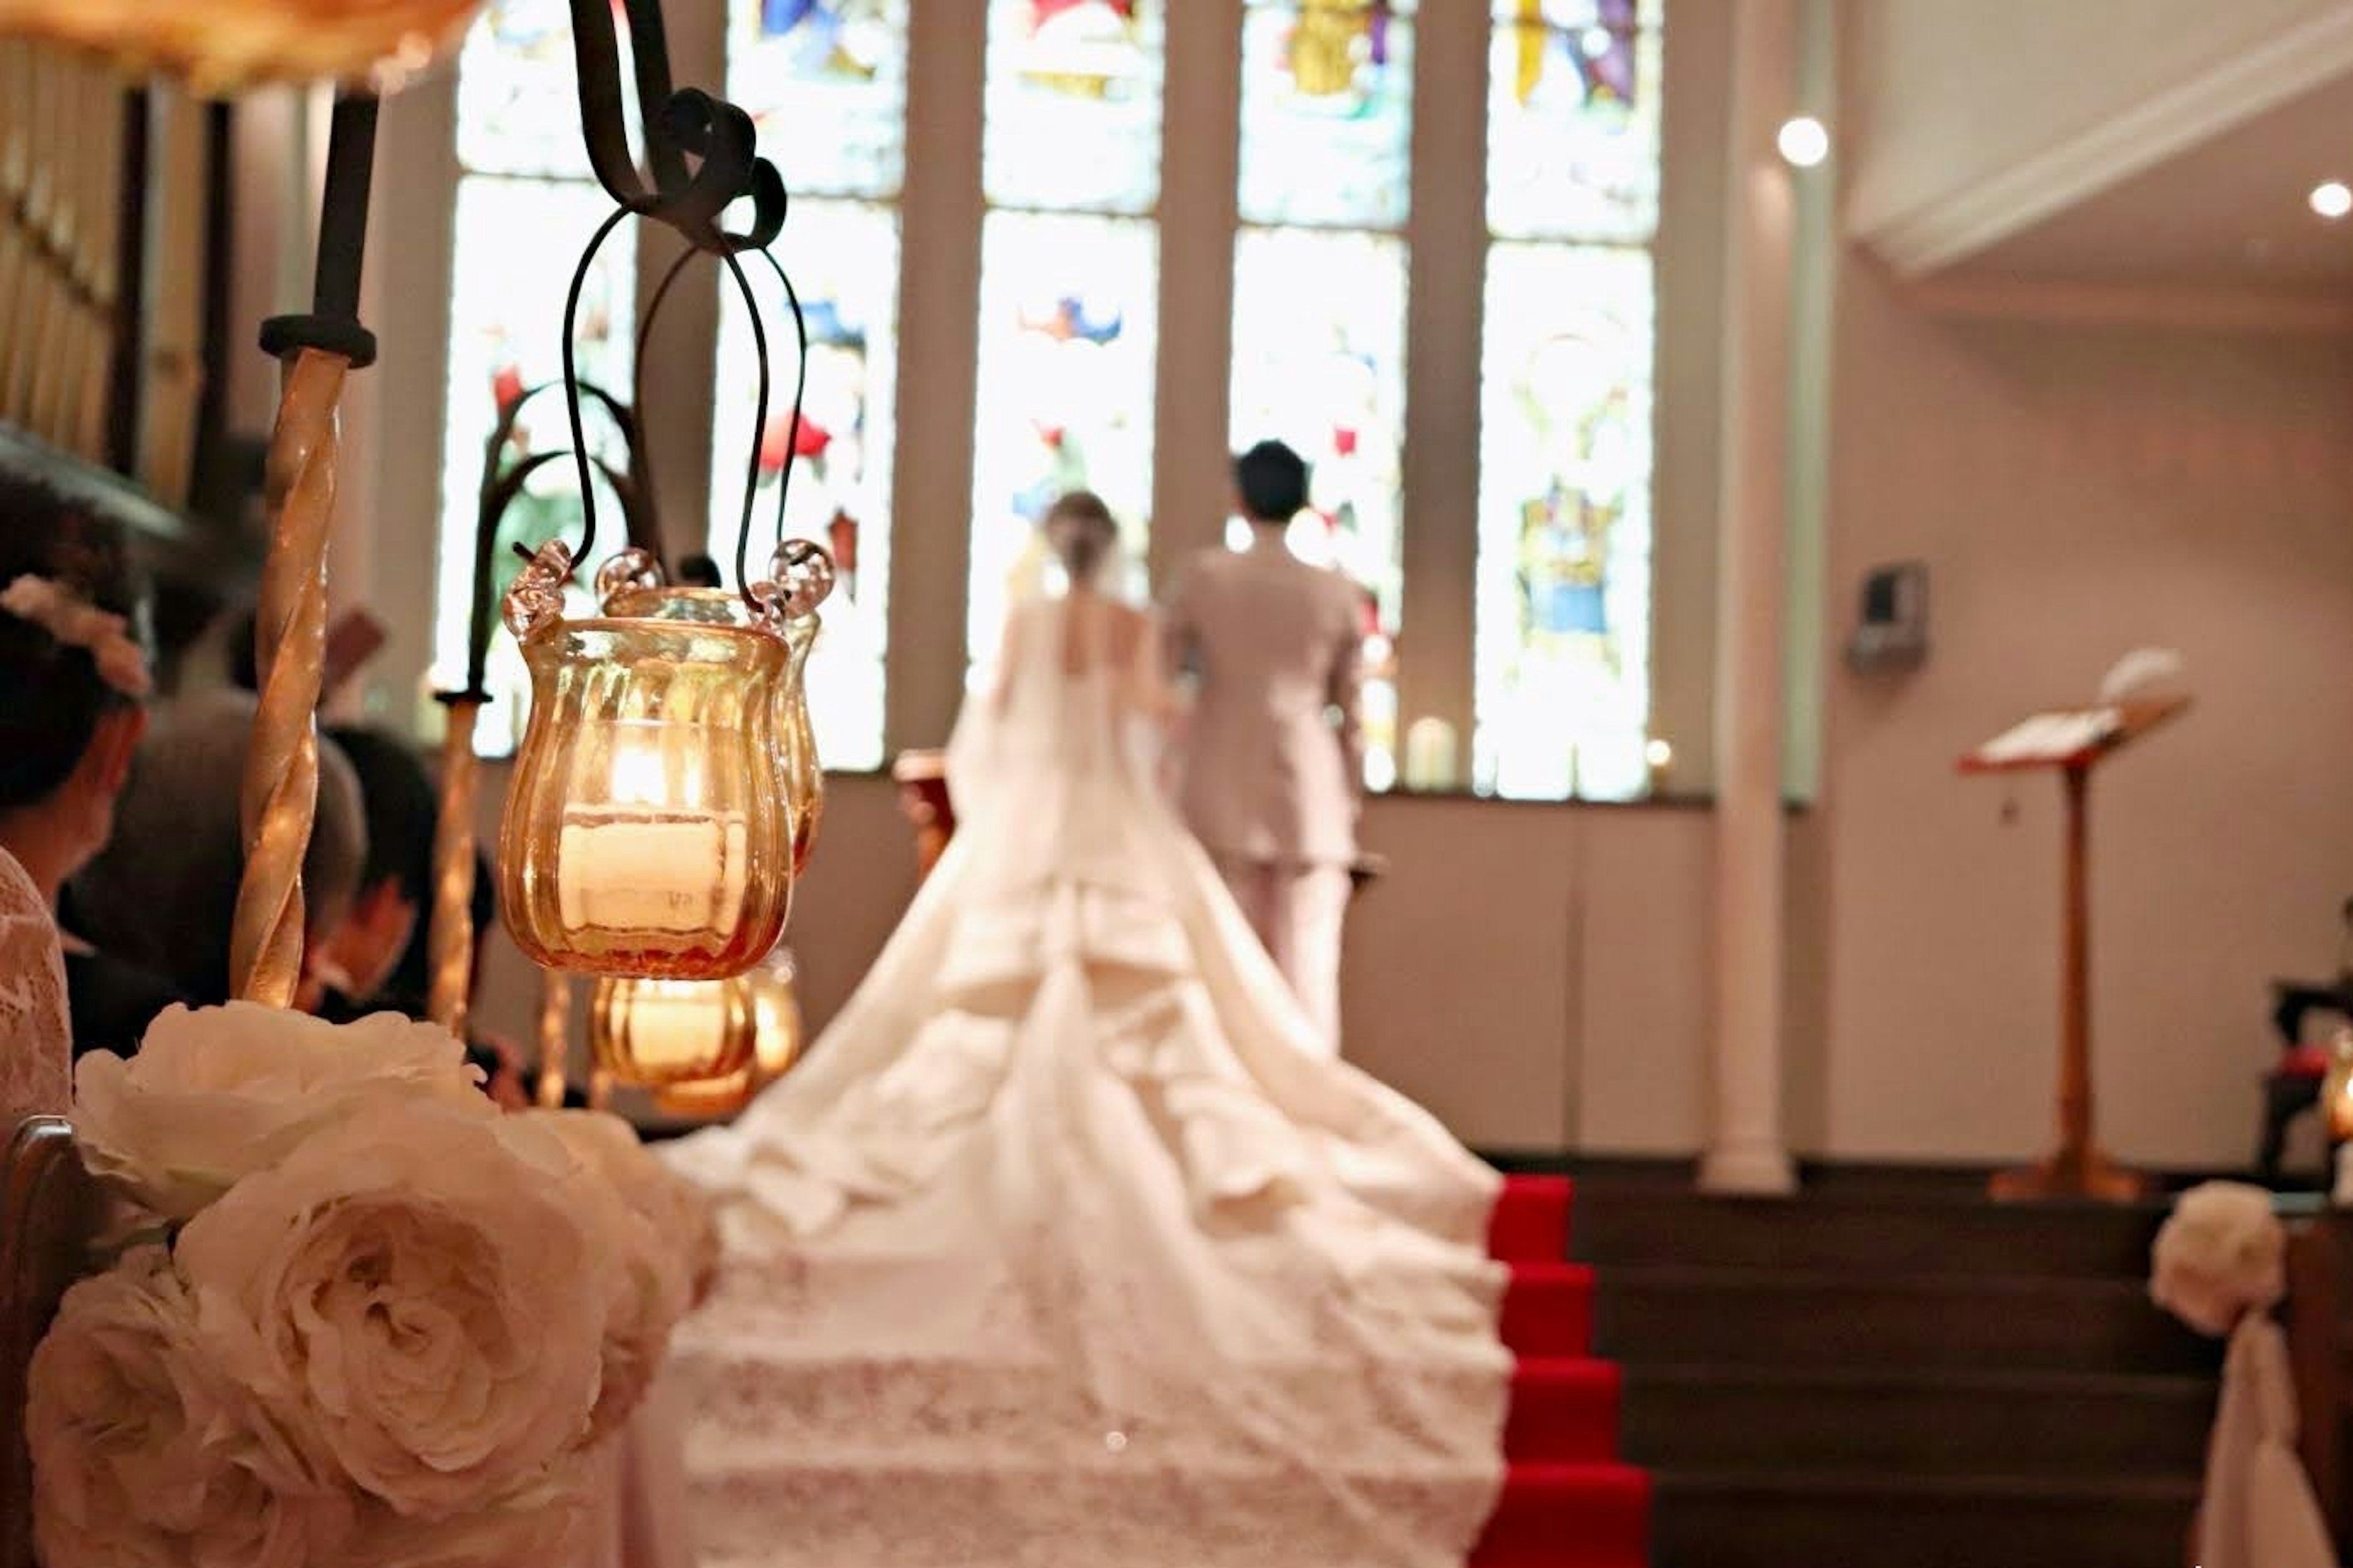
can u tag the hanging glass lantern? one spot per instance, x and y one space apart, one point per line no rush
657 1033
645 834
707 1099
776 1030
652 823
801 576
777 1008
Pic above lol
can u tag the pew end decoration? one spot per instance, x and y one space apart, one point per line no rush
355 1315
2219 1265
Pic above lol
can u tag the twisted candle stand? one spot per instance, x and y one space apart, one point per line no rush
281 766
281 796
451 927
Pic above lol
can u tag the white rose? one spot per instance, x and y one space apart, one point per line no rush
657 1223
414 1296
146 1457
543 1526
2220 1254
218 1092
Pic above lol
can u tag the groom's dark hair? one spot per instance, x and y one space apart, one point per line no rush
1272 479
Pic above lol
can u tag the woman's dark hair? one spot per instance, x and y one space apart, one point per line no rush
51 695
1272 479
1084 550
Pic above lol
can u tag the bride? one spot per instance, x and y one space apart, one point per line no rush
1068 1245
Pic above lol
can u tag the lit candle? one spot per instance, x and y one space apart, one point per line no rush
677 1026
1430 753
619 869
1659 756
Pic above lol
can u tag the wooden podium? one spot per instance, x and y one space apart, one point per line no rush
2073 744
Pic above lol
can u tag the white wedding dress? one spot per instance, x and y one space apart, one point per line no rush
1067 1245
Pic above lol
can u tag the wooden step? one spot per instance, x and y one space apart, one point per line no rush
1914 1423
1753 1318
1706 1519
1865 1232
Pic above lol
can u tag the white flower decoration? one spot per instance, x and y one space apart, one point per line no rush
146 1457
667 1247
2220 1254
405 1293
217 1093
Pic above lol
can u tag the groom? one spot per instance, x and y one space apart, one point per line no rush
1269 778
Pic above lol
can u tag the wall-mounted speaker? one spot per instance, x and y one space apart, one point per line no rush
1892 634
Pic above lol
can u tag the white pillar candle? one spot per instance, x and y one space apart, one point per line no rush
623 869
1430 753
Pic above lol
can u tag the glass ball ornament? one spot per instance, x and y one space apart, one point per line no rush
645 833
662 1034
221 45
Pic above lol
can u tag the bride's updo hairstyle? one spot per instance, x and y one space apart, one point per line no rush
1080 532
73 635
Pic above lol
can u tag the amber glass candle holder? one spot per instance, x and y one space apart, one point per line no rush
777 1039
806 574
664 1034
644 832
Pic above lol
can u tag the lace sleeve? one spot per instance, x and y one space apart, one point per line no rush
36 1040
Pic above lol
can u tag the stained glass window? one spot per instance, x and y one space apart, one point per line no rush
1564 575
518 101
826 84
1074 105
1572 119
1319 363
844 261
525 208
1066 327
1327 112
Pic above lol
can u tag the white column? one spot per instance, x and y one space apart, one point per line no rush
1744 1149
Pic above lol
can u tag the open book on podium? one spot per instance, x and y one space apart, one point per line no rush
2071 740
2070 736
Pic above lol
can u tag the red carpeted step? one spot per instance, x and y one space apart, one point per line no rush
1564 1411
1548 1310
1531 1220
1568 1516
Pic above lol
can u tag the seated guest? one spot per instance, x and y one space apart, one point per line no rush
163 892
378 958
73 688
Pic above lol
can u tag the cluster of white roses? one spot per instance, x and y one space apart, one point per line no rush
2220 1254
390 1322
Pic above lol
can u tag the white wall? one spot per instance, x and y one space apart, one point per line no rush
1956 92
2077 491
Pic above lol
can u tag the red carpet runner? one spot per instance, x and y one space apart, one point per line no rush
1567 1501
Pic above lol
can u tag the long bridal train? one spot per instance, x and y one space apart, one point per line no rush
1067 1243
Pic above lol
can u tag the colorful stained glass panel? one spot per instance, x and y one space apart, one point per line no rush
1319 363
843 257
1572 119
517 241
518 92
1067 338
1327 112
1074 105
1562 663
825 83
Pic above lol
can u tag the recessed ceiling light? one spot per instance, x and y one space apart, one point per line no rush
1804 143
2332 199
